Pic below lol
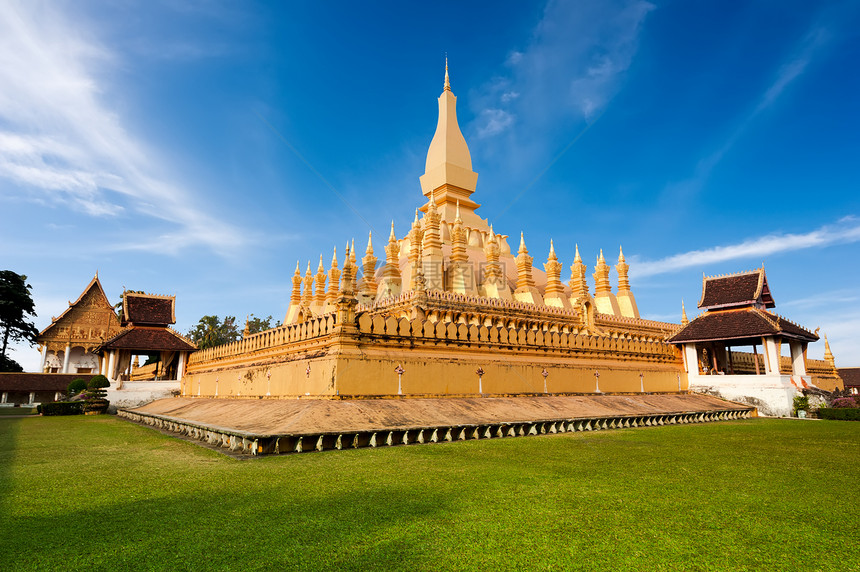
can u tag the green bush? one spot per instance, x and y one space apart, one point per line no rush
801 403
95 388
840 414
78 385
63 408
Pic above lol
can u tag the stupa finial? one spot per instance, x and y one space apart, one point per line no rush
523 249
577 258
447 80
620 254
369 249
684 319
392 237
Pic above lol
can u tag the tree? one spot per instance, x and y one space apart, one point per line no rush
211 331
256 325
16 304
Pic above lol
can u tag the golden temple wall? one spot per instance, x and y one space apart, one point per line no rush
320 358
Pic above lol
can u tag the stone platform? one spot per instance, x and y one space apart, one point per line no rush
272 426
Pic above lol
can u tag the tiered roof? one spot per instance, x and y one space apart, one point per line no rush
736 290
735 307
148 338
148 309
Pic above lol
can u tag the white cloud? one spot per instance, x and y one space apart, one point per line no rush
787 73
494 121
844 231
568 70
60 139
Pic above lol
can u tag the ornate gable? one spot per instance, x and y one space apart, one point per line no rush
87 321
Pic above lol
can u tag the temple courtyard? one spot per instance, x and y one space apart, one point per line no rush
99 493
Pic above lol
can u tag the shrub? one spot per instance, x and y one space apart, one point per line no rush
801 402
842 414
96 387
63 408
847 402
78 385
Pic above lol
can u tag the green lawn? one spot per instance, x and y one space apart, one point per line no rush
98 493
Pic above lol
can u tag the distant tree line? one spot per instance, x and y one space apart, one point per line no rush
212 331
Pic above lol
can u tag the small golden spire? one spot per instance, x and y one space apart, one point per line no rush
321 268
352 251
828 355
600 258
298 272
447 81
334 258
457 217
392 237
552 255
416 223
522 249
684 319
620 254
369 249
577 258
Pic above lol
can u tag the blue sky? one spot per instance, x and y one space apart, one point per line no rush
201 148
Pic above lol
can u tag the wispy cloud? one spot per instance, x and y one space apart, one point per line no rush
787 73
843 231
60 139
572 66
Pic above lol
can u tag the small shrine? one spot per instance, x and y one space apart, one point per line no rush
146 320
737 318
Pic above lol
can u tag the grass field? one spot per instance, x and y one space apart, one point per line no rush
98 493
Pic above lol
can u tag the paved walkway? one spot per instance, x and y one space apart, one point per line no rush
316 416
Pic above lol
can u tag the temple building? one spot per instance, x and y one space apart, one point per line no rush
67 345
736 315
455 307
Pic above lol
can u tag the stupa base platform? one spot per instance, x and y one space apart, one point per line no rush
276 426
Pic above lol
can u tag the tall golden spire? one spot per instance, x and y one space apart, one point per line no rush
369 269
448 169
622 267
578 281
553 268
319 299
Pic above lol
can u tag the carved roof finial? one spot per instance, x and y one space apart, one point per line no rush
828 355
447 86
684 319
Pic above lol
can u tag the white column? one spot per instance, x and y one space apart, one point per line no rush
5 397
797 365
56 396
66 359
32 397
111 363
180 369
771 350
44 358
691 358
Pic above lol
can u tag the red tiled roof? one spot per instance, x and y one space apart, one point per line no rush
742 289
148 309
39 381
739 324
155 339
850 376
